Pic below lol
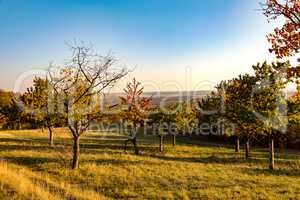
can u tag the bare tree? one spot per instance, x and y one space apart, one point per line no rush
79 84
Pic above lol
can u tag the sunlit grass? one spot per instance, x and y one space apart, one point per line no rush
29 169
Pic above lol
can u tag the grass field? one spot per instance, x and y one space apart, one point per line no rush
29 169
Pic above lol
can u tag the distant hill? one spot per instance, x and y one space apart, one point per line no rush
161 97
168 96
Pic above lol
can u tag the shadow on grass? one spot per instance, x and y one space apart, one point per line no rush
106 137
120 162
275 172
34 162
31 145
25 140
211 159
29 161
114 145
23 147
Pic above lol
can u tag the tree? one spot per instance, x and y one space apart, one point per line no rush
285 40
5 103
270 105
36 99
79 84
223 102
11 113
170 119
157 119
164 121
185 118
209 108
212 111
294 108
238 103
294 120
135 109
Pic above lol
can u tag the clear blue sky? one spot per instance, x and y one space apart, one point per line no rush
217 39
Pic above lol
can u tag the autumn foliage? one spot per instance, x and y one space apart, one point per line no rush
136 107
286 39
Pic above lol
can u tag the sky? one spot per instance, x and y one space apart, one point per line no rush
171 44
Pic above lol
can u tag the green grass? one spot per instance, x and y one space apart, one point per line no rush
194 169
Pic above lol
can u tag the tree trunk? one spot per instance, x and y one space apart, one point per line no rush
134 142
247 148
19 125
50 136
161 137
282 145
237 145
125 145
76 153
174 140
136 150
271 153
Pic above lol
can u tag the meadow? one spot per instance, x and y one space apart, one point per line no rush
194 169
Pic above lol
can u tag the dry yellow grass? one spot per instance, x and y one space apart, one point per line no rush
25 184
32 170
